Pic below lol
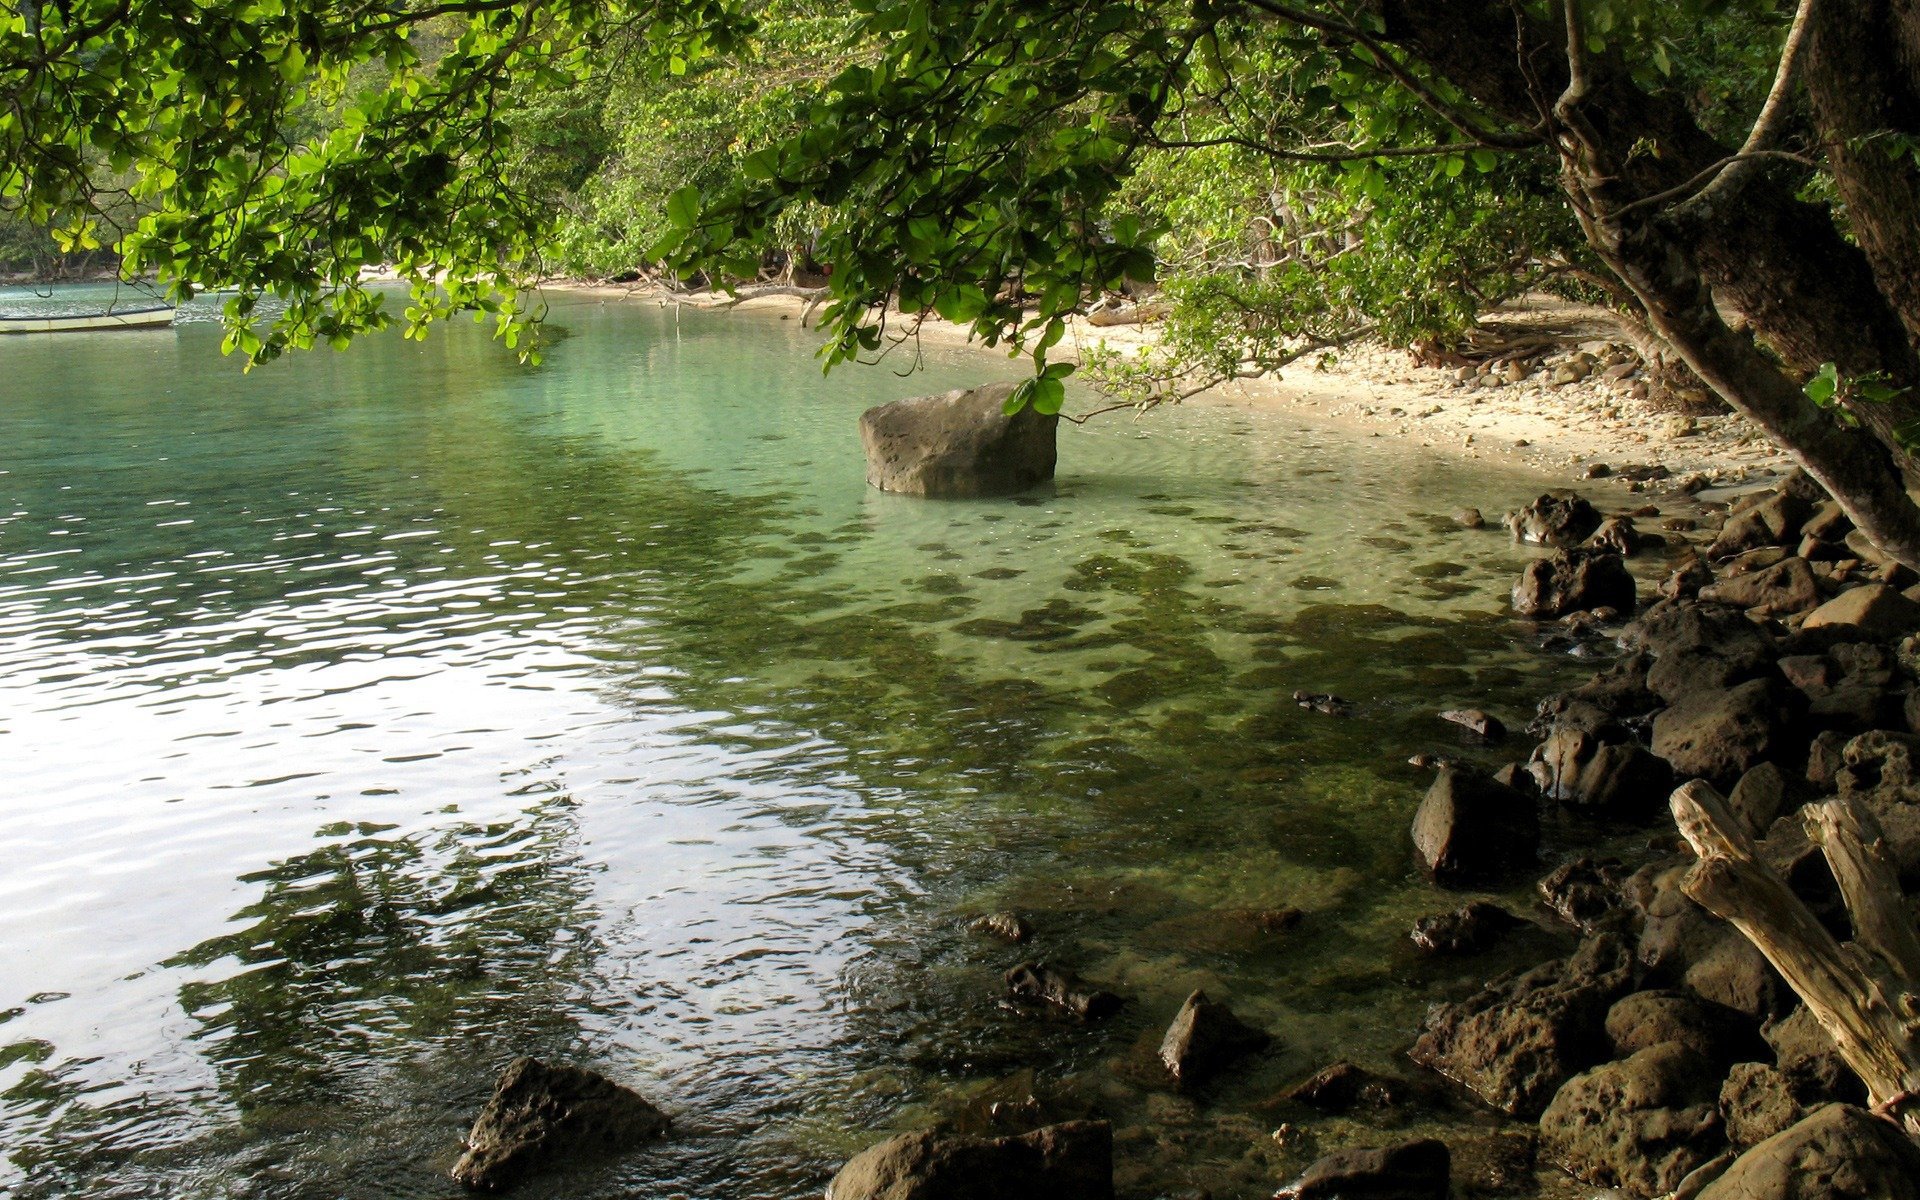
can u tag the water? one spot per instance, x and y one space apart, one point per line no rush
378 716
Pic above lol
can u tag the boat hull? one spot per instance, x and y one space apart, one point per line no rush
138 318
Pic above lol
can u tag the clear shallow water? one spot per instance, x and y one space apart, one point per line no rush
378 716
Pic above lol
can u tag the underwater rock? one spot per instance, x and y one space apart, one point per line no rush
1342 1087
1471 829
1205 1036
1573 581
1466 930
539 1112
1069 1161
1007 926
1323 702
1416 1170
1040 984
1641 1124
958 444
1559 518
1516 1041
1839 1153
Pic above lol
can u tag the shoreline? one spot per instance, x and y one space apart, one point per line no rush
1588 434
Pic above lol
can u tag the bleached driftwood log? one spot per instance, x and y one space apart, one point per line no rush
1865 993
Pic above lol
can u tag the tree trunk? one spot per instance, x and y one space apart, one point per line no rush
1866 994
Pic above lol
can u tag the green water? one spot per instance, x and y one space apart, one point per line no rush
378 716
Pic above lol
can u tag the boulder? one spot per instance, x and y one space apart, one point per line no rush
1069 1161
1686 580
1617 535
1719 735
1698 646
1584 891
539 1112
1759 797
1416 1170
1756 1102
1764 519
1559 518
1466 930
1807 1058
1343 1087
1038 983
958 444
1517 1040
1573 581
1716 1033
1829 523
1471 829
1617 781
1481 724
1838 1153
1682 945
1878 612
1786 587
1641 1124
1205 1037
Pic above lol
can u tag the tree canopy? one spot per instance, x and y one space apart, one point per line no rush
1738 178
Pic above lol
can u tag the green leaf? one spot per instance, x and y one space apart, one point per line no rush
1824 385
1048 395
683 207
1017 399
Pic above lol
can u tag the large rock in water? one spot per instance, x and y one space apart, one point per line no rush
1573 581
1416 1170
1205 1037
958 444
539 1112
1070 1161
1516 1041
1838 1153
1472 829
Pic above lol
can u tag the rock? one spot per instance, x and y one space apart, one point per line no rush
1756 1102
1466 930
1681 945
1718 736
1759 797
1598 470
958 444
1417 1170
1482 725
1641 1124
1806 1056
1615 781
1205 1036
1880 613
1573 581
1890 570
1585 891
1766 519
1617 535
1470 518
1516 1041
1715 1032
1825 760
1616 692
1558 518
1069 1161
1470 829
1325 703
1687 579
539 1112
1829 523
1007 926
1786 587
1040 984
1698 646
1343 1087
1838 1153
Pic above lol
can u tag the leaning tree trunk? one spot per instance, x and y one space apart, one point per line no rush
1780 263
1866 993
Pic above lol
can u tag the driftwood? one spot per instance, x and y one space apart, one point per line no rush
1866 993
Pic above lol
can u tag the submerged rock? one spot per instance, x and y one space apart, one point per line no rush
1470 828
1007 926
1069 1161
1482 725
1838 1153
1342 1087
1641 1124
1516 1041
1038 983
958 444
539 1112
1205 1037
1416 1170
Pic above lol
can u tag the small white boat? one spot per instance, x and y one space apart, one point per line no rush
154 317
